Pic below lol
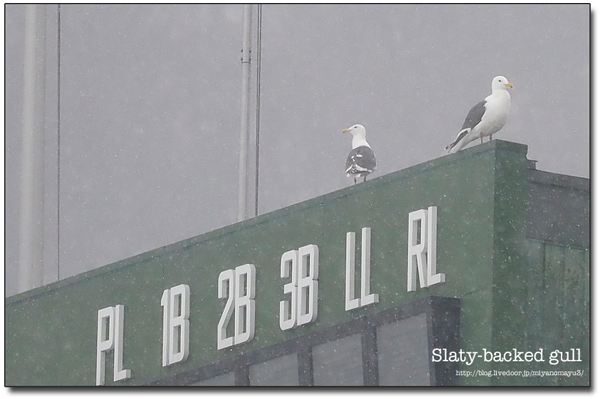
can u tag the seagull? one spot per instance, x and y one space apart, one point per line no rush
486 117
361 160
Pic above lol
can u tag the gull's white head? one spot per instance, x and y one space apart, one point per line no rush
500 82
359 135
356 130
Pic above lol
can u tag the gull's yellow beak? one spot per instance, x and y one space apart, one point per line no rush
510 85
346 130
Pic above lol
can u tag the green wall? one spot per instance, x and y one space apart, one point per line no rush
481 247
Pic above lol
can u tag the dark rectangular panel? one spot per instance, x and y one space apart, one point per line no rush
281 371
558 209
403 352
227 379
338 362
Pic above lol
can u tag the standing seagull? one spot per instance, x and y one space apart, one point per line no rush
486 117
361 160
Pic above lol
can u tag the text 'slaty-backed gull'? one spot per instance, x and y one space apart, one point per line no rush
361 160
486 117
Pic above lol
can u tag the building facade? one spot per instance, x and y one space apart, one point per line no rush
470 269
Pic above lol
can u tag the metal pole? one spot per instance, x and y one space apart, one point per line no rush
243 161
32 159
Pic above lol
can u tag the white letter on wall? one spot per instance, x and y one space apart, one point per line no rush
226 279
308 286
245 287
287 309
416 248
105 343
351 302
432 277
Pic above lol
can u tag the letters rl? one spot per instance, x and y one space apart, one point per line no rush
422 232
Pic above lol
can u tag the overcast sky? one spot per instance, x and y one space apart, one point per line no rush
150 108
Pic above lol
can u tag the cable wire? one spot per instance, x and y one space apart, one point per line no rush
58 148
258 67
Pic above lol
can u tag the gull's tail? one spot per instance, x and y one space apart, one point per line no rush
459 137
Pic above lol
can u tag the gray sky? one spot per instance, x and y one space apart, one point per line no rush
150 108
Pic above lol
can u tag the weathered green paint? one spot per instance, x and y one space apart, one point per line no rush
559 297
512 289
509 265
